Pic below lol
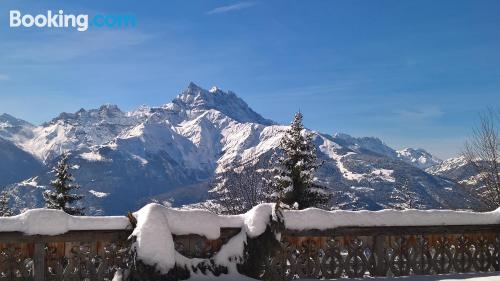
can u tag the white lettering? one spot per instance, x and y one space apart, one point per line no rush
40 20
28 20
15 18
52 20
83 22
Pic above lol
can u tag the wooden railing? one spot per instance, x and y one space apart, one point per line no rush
76 255
385 251
314 254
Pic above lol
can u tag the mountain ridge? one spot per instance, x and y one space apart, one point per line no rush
176 148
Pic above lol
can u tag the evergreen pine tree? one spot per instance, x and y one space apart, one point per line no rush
297 164
5 210
60 197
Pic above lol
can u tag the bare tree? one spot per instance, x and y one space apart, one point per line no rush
482 151
235 192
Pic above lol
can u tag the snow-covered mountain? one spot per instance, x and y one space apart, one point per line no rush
14 129
418 157
458 170
170 152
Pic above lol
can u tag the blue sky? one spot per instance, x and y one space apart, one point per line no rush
413 73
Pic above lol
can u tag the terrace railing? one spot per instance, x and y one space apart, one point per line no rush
385 251
76 255
333 253
354 252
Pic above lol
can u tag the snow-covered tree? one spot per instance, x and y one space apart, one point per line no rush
5 210
296 165
404 198
238 190
61 196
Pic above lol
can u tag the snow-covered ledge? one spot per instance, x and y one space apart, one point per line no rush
54 222
156 219
321 219
157 224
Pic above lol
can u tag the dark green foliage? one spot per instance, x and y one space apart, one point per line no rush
5 210
297 164
60 197
260 251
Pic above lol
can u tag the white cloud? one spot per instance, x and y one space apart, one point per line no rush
420 113
230 8
58 47
4 77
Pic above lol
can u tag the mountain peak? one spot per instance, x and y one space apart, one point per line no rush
214 89
372 144
196 98
192 86
13 121
418 157
103 112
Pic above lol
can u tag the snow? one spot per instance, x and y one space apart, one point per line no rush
92 156
330 148
203 132
384 174
30 182
156 224
233 248
343 170
256 220
141 160
448 165
213 89
98 193
418 158
154 242
320 219
362 188
54 222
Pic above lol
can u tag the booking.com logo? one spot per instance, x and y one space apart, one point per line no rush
81 22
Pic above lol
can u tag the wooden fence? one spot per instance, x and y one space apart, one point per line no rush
76 255
341 252
385 251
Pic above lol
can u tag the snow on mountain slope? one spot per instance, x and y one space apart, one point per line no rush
14 129
458 170
448 165
418 157
365 144
195 100
170 153
16 164
70 131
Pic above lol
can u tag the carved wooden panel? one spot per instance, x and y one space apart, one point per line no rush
16 261
85 260
196 246
79 255
327 255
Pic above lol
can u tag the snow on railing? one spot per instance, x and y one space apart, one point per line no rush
46 244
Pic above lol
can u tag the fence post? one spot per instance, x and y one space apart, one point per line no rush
39 261
379 251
